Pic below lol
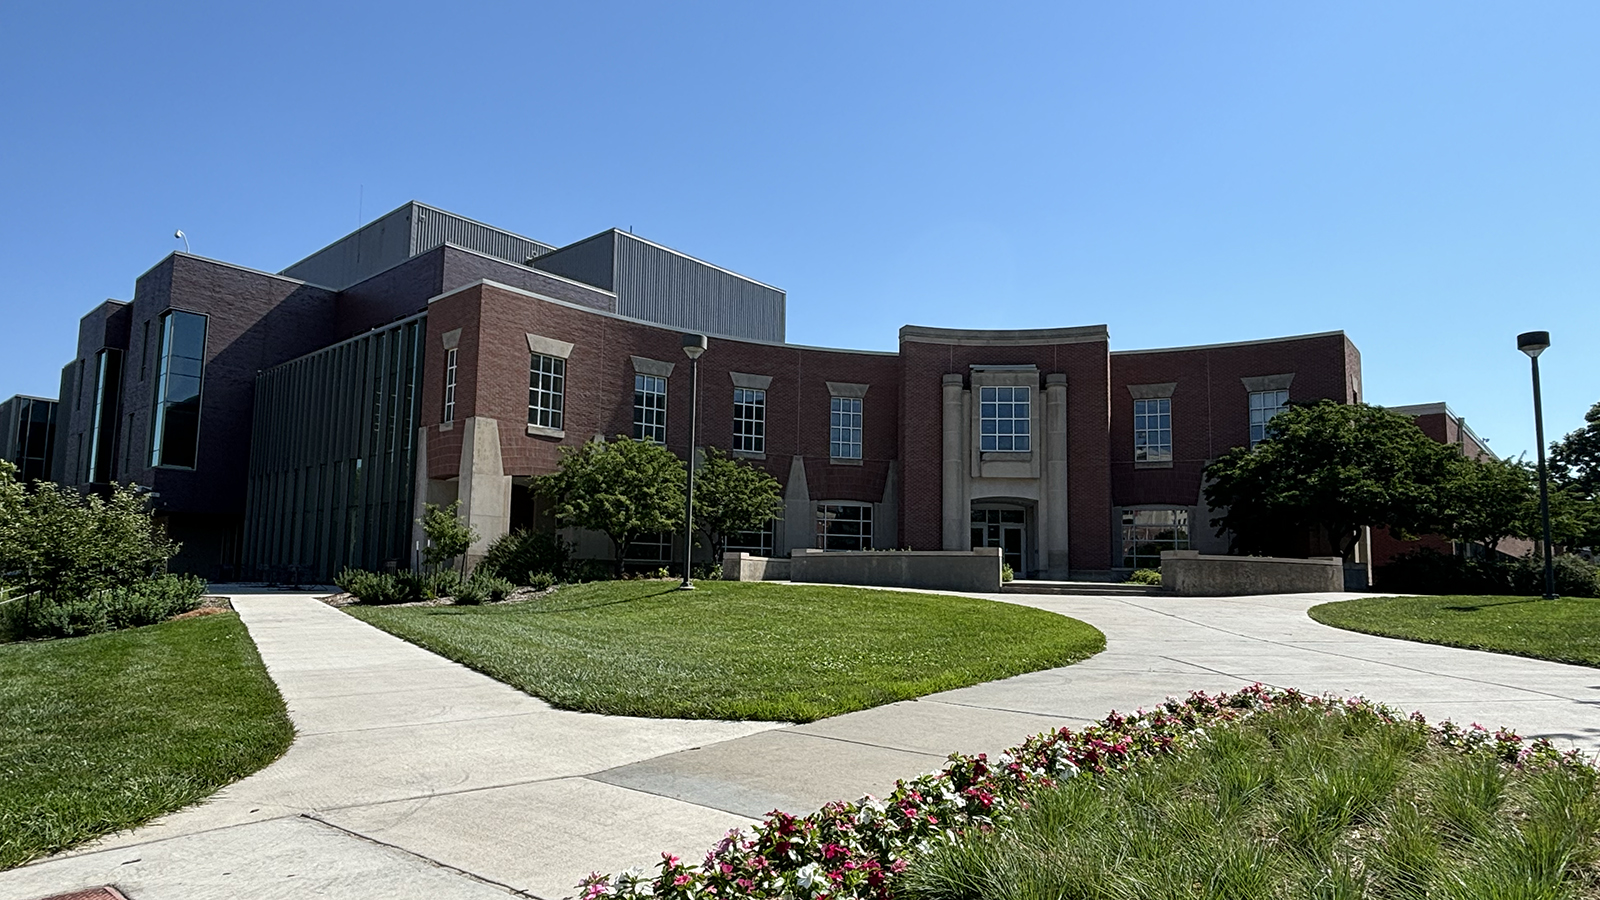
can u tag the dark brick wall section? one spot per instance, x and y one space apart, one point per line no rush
492 380
463 267
255 321
392 294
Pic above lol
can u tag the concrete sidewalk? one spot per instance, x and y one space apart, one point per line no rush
415 777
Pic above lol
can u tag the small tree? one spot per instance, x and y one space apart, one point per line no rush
1488 500
623 489
1333 468
1575 459
731 496
448 536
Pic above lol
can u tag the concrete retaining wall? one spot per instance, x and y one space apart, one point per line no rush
1188 573
944 570
744 567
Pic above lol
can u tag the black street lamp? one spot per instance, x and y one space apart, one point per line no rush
1534 343
693 346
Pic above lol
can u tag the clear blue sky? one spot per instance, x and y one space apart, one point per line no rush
1425 176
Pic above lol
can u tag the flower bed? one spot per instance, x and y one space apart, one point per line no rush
856 851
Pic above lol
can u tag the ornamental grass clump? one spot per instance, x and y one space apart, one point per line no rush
1261 793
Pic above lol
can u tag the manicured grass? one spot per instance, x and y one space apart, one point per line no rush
105 732
1290 804
1565 630
740 650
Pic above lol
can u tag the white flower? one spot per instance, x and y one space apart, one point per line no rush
807 875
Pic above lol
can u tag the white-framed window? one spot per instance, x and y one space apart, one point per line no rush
449 385
1152 430
650 548
1263 406
844 427
547 376
844 526
749 420
650 408
1003 419
1147 532
755 543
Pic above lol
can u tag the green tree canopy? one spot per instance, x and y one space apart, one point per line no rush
1332 468
731 496
1575 459
1488 500
623 489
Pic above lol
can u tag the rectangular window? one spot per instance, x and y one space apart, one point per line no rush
1147 532
175 425
449 385
1004 420
547 377
844 428
755 543
749 420
103 414
650 408
1263 406
1152 430
844 526
650 548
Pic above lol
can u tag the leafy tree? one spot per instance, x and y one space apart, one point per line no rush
1575 459
731 496
1332 468
623 489
448 536
1487 500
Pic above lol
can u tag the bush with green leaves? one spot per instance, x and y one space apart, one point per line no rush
56 541
1428 571
40 615
622 488
448 537
1145 576
523 554
443 583
544 581
374 588
1006 572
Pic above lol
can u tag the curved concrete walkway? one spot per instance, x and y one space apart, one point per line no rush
412 776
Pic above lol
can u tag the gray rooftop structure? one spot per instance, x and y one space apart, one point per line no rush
397 236
661 285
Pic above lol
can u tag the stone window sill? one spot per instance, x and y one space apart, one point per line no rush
545 431
840 461
447 426
1162 464
750 454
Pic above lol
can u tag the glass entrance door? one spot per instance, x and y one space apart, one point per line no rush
1002 527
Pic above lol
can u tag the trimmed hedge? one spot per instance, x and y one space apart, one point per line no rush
1428 571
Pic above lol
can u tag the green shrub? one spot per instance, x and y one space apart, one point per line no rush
1005 572
583 571
443 583
374 588
524 553
1427 571
1145 576
413 586
146 602
499 588
543 581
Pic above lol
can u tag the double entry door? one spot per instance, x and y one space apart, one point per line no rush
1003 527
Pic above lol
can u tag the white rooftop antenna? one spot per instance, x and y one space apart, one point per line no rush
180 236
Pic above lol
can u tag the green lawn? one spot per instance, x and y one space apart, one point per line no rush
104 732
1565 630
740 650
1289 805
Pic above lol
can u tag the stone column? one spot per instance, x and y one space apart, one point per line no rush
957 513
799 516
1054 510
485 488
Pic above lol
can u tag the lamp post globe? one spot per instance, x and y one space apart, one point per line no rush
693 346
1534 343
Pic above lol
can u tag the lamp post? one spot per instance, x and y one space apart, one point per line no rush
1534 343
693 346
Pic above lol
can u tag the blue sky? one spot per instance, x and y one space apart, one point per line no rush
1421 175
